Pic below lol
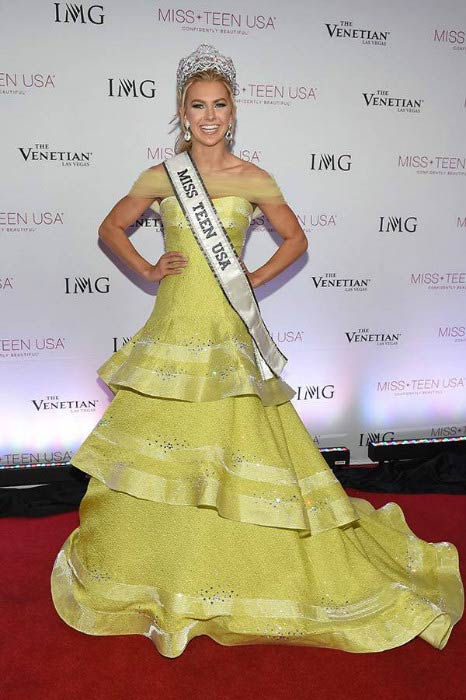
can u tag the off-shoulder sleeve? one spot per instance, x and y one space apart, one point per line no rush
151 183
263 189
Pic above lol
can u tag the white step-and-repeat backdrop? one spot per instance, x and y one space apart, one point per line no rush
358 110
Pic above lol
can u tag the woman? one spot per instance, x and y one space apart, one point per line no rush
209 509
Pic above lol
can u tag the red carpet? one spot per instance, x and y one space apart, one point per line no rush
42 658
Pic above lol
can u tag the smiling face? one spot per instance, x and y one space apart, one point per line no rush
209 111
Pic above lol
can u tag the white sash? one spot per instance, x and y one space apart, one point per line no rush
223 260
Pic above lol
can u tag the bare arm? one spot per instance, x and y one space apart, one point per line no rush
295 243
112 231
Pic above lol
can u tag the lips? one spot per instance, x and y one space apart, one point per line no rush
209 129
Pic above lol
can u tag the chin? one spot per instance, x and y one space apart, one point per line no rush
210 142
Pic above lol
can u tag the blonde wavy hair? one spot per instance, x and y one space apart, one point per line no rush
210 75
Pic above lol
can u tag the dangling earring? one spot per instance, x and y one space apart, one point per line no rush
187 133
229 135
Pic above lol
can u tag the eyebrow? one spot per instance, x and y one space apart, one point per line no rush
195 99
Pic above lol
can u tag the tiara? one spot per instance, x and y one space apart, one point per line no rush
205 57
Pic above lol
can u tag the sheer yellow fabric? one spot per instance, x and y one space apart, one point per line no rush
211 511
258 189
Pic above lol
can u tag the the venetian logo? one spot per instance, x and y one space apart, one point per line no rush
55 403
345 30
365 336
41 152
149 221
382 98
330 280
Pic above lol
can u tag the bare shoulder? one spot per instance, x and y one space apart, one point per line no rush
157 168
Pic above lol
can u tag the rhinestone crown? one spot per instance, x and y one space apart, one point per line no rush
203 58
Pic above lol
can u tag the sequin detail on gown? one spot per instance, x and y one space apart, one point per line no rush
210 510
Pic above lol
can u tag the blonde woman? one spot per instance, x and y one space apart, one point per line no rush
210 510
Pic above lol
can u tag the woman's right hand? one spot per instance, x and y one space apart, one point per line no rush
171 263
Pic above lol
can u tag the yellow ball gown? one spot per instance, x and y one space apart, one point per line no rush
210 510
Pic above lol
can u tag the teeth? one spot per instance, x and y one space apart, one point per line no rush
209 128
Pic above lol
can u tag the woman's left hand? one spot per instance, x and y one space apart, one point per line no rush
249 275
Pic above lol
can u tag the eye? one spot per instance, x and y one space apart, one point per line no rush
197 105
221 104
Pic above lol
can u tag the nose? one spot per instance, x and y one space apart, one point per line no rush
210 113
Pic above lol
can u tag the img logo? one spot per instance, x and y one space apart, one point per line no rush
398 224
366 438
128 87
305 393
119 341
74 13
87 285
331 161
